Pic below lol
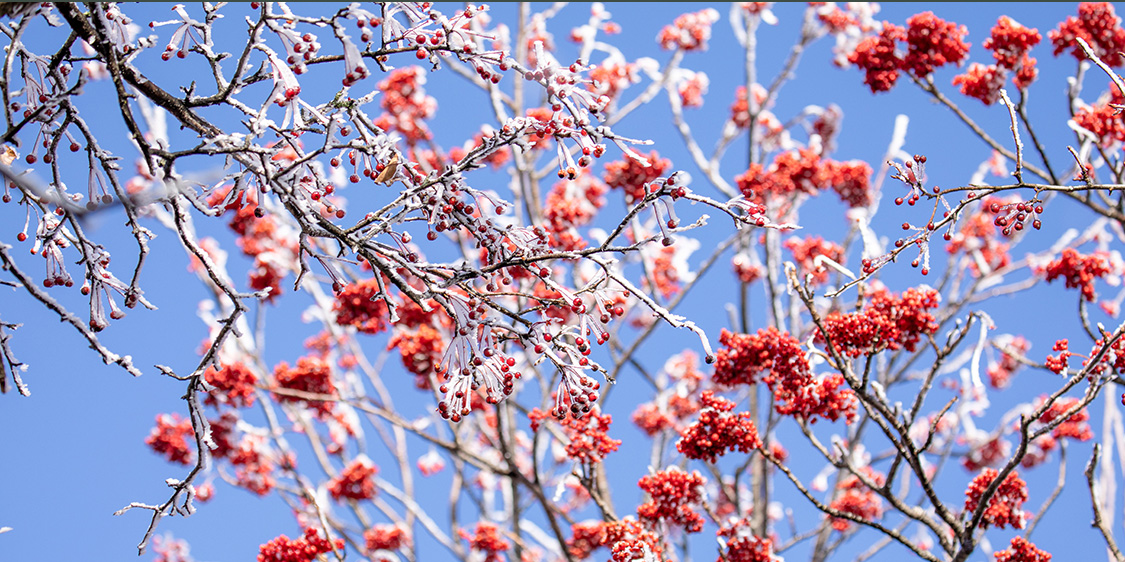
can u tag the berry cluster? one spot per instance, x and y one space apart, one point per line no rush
689 32
828 398
589 443
361 305
1111 362
305 549
253 467
1022 551
804 171
172 437
1078 271
421 351
1010 43
985 450
233 384
486 539
887 321
406 105
743 546
572 203
611 77
1099 26
1103 119
1075 426
354 482
385 537
1058 363
260 236
978 239
1000 372
586 537
311 375
672 495
1012 215
1005 506
806 250
718 430
745 356
691 90
855 498
931 42
631 175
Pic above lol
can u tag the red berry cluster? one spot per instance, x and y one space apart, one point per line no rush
828 398
586 537
804 171
253 468
740 109
572 203
311 375
796 392
689 32
496 158
1114 360
931 42
589 443
421 351
691 90
259 237
1005 506
631 176
1022 551
850 180
1099 26
222 434
628 540
354 482
1000 372
385 537
486 539
978 236
1058 364
611 77
305 549
651 418
1010 43
1078 270
1103 119
806 250
982 82
743 546
885 322
361 305
985 451
173 437
1013 215
876 56
718 430
745 356
233 384
1076 425
855 498
672 495
406 104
